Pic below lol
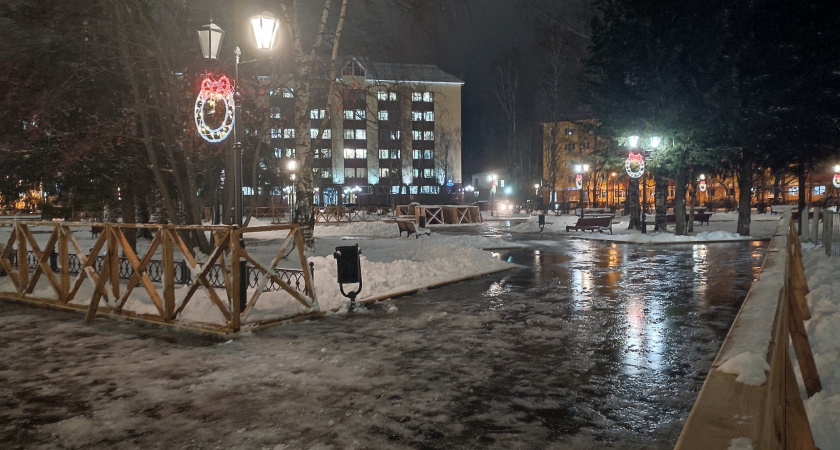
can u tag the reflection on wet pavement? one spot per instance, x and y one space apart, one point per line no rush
589 344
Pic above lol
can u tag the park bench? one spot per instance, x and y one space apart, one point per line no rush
596 223
407 226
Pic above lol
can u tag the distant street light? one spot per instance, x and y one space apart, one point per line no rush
492 178
580 170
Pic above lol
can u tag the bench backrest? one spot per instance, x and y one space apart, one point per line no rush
409 226
603 221
401 224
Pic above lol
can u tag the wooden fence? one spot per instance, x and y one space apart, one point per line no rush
770 415
216 303
441 215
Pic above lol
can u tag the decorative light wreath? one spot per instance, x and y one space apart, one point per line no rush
579 181
702 185
836 180
635 165
213 90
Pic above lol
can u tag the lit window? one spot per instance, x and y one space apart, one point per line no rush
289 153
288 93
382 95
349 153
417 154
395 189
429 135
349 133
417 135
289 133
361 134
570 131
278 152
428 97
360 114
395 154
395 135
361 153
413 189
327 133
428 173
416 96
416 115
316 114
322 153
348 114
383 114
429 116
275 112
383 154
428 154
429 189
276 133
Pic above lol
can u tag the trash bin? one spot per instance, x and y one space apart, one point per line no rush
421 221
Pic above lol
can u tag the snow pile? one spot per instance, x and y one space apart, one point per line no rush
358 229
748 366
741 444
824 334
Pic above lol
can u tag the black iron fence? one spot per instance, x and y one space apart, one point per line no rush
183 275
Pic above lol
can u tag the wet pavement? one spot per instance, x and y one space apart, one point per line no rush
586 345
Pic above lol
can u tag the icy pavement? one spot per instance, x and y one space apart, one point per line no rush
585 345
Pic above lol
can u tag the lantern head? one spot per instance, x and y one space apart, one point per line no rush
265 28
633 141
655 141
210 37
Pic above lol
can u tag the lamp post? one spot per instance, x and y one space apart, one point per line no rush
210 38
468 188
635 165
580 170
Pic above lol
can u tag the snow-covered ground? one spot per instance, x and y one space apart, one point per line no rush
392 265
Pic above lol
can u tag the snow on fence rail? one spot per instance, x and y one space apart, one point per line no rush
210 296
751 398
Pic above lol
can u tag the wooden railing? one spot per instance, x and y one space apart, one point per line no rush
215 302
278 214
441 215
768 414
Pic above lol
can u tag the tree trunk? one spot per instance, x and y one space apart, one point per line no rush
745 194
661 195
680 181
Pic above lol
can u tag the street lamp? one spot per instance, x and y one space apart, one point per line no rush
635 165
580 170
468 188
210 38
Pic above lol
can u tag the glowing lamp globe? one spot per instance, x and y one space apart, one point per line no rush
265 28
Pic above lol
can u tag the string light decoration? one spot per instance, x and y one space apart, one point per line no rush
836 180
212 91
579 181
635 165
702 185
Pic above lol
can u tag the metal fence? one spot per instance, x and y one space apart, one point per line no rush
183 276
831 233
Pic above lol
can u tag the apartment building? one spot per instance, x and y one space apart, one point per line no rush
396 131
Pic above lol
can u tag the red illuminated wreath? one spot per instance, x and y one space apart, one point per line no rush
635 165
212 91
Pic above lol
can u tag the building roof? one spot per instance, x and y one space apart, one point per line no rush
405 73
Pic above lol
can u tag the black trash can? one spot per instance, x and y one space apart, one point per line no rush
422 221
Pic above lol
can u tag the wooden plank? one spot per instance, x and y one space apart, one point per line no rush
201 278
140 274
98 291
113 257
307 277
799 336
797 429
86 261
168 265
23 262
64 263
236 278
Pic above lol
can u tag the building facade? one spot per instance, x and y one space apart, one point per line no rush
396 132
